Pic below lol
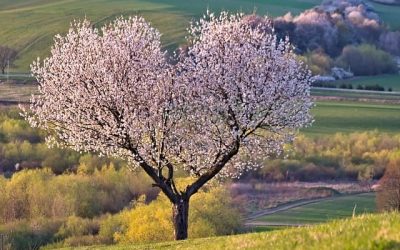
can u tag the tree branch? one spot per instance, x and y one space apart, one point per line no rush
214 170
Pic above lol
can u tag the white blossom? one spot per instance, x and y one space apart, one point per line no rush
236 95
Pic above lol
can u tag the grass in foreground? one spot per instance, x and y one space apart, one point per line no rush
346 117
338 208
363 232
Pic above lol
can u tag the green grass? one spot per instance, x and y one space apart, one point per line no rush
29 26
386 81
332 117
363 232
388 13
323 211
258 229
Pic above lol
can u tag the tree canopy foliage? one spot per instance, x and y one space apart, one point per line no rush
237 90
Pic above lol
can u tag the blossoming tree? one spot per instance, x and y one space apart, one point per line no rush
237 93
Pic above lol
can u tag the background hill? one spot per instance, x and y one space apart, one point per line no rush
29 26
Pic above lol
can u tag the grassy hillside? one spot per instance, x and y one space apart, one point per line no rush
323 211
331 117
363 232
29 26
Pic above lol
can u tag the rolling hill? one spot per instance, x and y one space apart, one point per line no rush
29 25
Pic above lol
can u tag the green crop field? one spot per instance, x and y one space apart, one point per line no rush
337 208
386 81
346 117
29 25
363 232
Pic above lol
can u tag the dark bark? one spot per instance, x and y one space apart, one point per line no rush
180 199
180 213
214 170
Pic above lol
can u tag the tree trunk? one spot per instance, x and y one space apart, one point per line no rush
180 218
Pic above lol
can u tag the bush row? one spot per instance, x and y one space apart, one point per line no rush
375 87
31 194
363 59
356 156
212 213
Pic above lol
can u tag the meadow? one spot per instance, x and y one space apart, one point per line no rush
29 26
336 208
362 232
331 117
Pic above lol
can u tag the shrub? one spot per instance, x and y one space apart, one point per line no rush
366 59
39 193
323 84
356 156
76 226
388 195
390 42
211 214
110 225
30 235
318 62
84 240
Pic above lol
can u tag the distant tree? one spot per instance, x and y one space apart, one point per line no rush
7 57
318 62
388 195
366 59
236 91
390 42
315 30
